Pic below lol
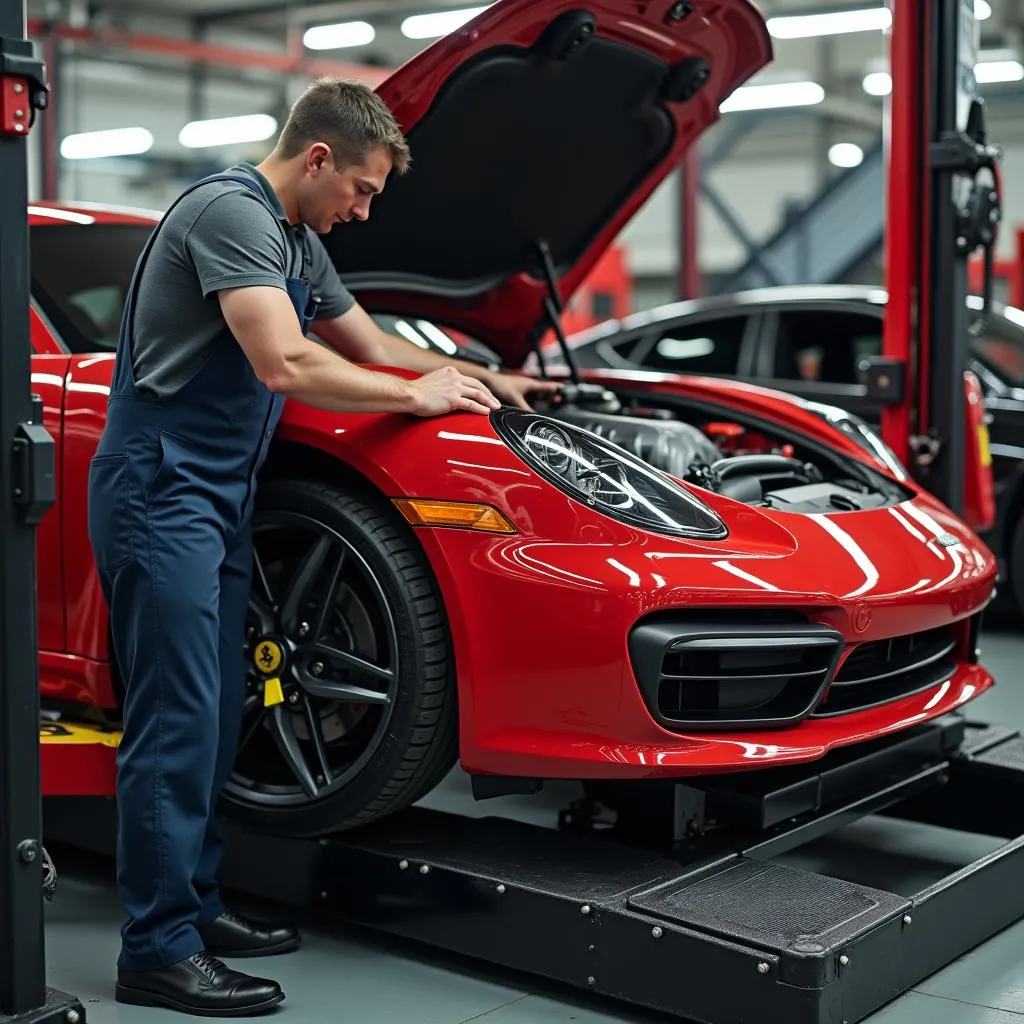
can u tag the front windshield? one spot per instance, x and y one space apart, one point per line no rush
1000 346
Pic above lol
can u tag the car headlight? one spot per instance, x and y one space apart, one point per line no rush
868 438
606 477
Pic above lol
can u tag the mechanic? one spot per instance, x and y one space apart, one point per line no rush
213 339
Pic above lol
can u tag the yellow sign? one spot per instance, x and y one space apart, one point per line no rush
983 446
267 656
73 732
272 693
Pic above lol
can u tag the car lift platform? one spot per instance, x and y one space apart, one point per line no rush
696 921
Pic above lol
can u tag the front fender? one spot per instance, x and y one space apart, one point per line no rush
454 457
407 456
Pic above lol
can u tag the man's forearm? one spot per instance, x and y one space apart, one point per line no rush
322 378
263 322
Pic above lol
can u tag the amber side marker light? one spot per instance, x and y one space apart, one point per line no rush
467 515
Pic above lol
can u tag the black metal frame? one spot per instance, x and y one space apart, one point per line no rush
691 920
958 209
27 488
945 270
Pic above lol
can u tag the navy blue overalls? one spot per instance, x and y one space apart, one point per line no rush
171 492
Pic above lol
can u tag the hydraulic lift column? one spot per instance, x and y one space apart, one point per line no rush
943 205
26 493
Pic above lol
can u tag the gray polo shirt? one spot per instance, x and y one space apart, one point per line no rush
219 236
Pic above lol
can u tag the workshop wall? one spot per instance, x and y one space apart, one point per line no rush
789 152
652 242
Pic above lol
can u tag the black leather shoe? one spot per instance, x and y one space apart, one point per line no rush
200 985
233 935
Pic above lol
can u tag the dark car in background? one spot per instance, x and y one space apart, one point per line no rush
810 341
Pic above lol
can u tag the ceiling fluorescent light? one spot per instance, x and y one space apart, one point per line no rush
835 23
878 83
982 10
336 37
227 131
988 72
430 26
846 154
113 142
767 97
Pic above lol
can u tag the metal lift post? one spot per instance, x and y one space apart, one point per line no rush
943 206
27 489
675 896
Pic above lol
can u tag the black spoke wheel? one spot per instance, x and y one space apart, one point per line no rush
349 707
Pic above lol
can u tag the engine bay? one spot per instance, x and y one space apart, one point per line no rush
741 460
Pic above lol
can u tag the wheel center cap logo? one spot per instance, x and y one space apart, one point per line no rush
267 656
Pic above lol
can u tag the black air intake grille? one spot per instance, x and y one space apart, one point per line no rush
885 670
733 672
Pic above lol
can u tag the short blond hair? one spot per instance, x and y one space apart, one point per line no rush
350 118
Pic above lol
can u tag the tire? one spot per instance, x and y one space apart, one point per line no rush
385 608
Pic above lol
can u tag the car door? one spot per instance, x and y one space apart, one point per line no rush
707 344
815 350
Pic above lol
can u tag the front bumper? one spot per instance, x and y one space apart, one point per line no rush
554 754
768 669
551 685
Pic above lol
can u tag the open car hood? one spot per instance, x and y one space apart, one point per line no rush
537 125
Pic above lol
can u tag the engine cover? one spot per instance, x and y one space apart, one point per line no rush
821 498
667 445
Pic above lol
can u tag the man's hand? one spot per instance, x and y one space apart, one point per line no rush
513 389
446 390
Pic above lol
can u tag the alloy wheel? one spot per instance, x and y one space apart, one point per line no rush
322 663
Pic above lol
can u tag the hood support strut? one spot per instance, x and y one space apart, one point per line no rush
555 307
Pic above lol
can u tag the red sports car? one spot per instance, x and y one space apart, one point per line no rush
651 577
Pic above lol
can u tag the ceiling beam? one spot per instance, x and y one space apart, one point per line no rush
329 10
291 62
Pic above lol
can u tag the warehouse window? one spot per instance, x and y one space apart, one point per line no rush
80 279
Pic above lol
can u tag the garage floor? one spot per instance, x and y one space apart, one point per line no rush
346 975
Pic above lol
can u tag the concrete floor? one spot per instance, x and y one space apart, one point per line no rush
348 975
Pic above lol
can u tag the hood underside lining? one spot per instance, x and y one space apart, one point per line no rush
540 148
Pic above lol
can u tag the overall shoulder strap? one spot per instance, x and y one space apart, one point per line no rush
128 313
